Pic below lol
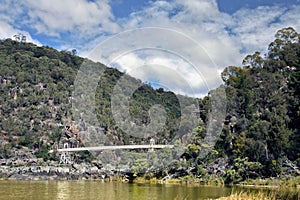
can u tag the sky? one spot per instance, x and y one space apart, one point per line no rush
180 45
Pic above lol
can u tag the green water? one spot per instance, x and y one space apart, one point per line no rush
74 190
98 190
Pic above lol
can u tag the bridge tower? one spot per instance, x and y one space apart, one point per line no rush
65 157
152 143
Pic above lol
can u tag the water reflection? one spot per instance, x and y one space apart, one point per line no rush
74 190
63 190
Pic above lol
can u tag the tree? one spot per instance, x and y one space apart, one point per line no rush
254 60
283 38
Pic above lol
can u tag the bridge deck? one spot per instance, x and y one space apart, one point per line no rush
115 147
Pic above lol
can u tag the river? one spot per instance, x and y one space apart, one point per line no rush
76 190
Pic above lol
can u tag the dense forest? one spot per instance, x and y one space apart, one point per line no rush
263 107
260 135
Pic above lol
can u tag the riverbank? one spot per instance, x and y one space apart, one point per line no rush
52 170
279 182
234 192
24 165
55 171
250 196
270 188
263 195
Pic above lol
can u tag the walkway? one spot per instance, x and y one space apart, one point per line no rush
99 148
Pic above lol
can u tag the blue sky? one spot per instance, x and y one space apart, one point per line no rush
231 6
188 35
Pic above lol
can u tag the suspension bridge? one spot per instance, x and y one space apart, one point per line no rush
100 148
64 157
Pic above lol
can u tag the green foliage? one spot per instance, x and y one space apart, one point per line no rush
263 100
36 85
193 150
139 166
273 168
242 169
232 176
43 152
201 171
262 125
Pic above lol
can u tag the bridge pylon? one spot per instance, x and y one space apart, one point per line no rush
65 157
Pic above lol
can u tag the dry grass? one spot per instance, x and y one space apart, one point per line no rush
291 182
250 196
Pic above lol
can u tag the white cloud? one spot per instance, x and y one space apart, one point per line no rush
7 31
9 14
225 39
199 33
76 16
196 11
255 28
186 34
167 72
67 21
169 63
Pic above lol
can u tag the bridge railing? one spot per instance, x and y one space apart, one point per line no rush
99 148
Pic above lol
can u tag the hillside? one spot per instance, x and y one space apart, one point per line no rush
36 92
260 134
263 108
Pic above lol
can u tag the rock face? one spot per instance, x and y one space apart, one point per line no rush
54 171
23 165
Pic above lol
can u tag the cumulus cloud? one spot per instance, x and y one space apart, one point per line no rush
8 31
166 71
254 28
68 22
165 49
84 17
188 34
218 39
9 15
195 50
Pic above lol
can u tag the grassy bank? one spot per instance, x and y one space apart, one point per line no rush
181 180
264 195
250 196
291 182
